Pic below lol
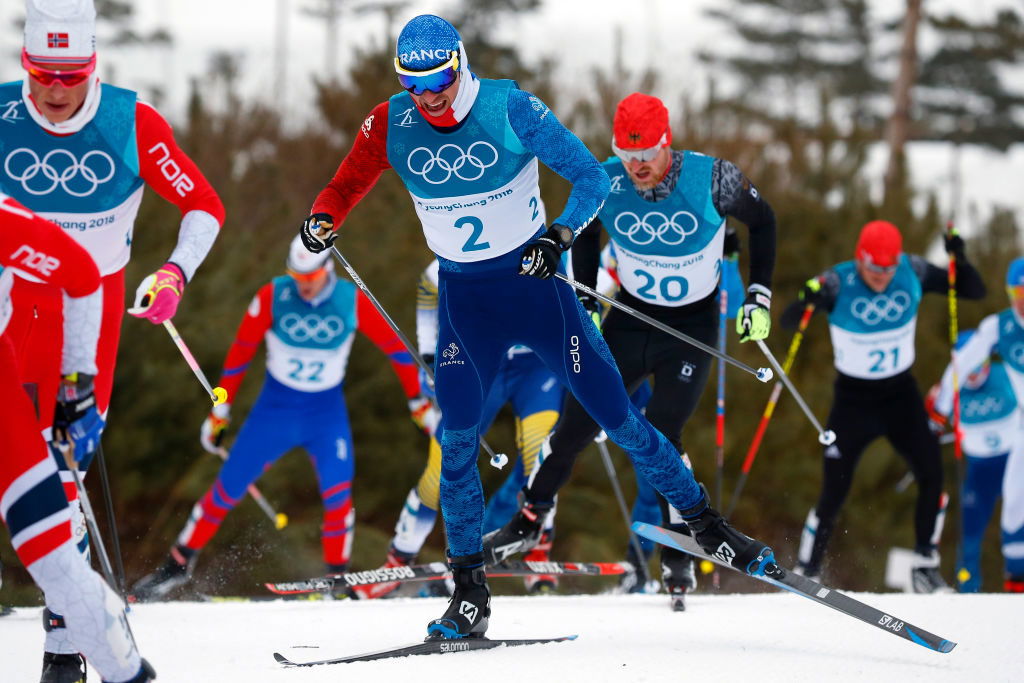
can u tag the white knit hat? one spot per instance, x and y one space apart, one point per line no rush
302 260
60 30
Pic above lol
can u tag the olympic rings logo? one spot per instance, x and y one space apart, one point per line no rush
450 160
1017 354
656 226
881 307
983 408
77 177
312 327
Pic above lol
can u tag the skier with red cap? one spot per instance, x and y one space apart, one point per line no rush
872 303
666 216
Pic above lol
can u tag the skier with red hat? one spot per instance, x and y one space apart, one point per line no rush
872 303
666 216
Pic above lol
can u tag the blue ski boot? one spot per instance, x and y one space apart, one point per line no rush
719 540
469 609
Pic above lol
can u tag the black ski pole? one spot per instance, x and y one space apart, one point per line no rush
115 539
826 437
606 457
762 374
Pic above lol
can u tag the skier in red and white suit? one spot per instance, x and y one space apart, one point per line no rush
32 502
79 153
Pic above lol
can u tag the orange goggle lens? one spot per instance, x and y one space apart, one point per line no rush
311 276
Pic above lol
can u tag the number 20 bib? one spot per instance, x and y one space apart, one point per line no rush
670 251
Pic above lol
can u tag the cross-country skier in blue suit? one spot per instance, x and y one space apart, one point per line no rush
989 423
467 149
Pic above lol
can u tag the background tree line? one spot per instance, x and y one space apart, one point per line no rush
796 102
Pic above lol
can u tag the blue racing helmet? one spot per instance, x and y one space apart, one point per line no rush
1015 273
427 54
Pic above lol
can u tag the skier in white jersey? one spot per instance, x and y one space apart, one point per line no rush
1003 332
872 304
467 149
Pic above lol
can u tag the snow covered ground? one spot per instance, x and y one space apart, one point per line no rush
751 637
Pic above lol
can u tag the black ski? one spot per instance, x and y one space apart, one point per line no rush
436 571
298 597
801 585
429 647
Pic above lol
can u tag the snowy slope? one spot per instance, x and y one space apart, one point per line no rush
759 637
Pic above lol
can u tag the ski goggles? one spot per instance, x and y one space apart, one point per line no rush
436 80
866 261
648 154
47 77
311 276
1015 291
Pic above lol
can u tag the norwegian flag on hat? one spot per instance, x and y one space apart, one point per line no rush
60 30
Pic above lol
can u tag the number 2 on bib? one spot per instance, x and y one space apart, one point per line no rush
477 225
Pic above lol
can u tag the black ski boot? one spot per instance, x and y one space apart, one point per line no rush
813 540
925 576
469 609
4 609
63 668
678 576
719 540
146 674
174 572
519 535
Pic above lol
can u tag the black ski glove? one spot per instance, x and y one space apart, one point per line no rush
731 245
954 244
812 292
76 421
593 308
318 232
540 257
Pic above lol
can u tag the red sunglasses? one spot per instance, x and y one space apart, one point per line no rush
47 77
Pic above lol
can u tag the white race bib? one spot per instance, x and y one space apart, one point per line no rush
481 226
105 235
671 280
306 369
991 438
874 355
